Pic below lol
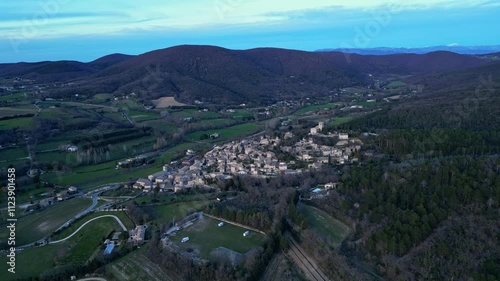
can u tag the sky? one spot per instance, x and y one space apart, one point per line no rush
39 30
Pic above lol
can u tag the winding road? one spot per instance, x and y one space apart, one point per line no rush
87 222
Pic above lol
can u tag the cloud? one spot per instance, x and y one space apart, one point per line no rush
60 18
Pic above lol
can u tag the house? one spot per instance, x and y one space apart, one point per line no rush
72 189
143 184
72 148
282 166
185 239
343 136
331 185
63 195
214 136
137 234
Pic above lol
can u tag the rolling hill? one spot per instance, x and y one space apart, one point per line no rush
215 74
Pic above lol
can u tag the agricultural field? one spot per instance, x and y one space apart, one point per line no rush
228 133
240 114
396 84
11 111
36 226
326 226
23 122
17 97
166 102
77 250
367 104
136 266
205 236
175 211
193 112
315 107
86 177
341 120
139 116
33 261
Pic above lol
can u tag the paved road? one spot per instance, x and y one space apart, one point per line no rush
76 231
94 194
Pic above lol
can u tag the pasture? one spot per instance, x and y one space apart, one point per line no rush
77 250
175 211
341 120
310 108
229 132
38 225
22 122
11 111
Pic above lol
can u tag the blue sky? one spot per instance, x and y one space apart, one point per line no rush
36 30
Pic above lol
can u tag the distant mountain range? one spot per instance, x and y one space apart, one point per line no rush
214 74
455 48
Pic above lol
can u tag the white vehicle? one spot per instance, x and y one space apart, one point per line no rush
185 239
220 224
246 233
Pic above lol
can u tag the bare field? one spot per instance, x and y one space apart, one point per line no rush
167 102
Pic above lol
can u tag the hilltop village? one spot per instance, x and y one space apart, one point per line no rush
261 156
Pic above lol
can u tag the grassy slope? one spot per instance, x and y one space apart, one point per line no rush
230 132
326 226
176 211
36 226
34 261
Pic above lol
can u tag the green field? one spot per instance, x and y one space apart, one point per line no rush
329 228
176 211
315 107
139 116
121 215
340 120
24 122
396 84
36 226
10 111
240 114
206 236
78 249
367 104
192 112
136 266
228 133
13 97
106 173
